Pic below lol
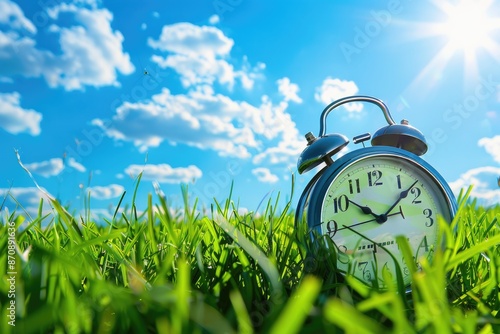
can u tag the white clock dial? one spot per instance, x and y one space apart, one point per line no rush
381 197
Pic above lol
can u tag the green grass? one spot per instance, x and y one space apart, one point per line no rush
160 269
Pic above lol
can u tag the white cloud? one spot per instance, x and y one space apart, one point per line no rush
290 144
198 119
199 55
28 198
6 80
214 19
201 118
285 152
29 195
76 165
164 173
46 168
106 192
484 180
11 14
208 121
191 40
21 57
334 89
492 146
265 175
91 52
289 90
15 119
90 3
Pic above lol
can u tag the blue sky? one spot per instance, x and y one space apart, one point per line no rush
207 92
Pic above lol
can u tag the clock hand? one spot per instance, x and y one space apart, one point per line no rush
366 210
383 217
371 220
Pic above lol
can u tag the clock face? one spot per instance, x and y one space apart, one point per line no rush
373 200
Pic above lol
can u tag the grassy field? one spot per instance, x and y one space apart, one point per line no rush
160 269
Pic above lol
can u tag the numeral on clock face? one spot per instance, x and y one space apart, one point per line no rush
355 187
340 203
374 177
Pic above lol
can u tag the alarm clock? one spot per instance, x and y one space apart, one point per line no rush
366 198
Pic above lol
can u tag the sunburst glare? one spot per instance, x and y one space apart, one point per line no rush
468 25
468 29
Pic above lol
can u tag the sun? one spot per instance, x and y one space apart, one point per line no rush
468 29
468 25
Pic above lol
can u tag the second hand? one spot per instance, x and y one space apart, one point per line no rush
366 221
372 220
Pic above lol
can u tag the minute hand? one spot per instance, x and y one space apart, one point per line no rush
383 217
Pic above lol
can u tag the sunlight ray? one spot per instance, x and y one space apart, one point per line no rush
428 77
468 27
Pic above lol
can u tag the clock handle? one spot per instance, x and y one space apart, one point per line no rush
335 104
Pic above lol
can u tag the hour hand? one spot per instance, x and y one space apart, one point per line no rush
366 210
